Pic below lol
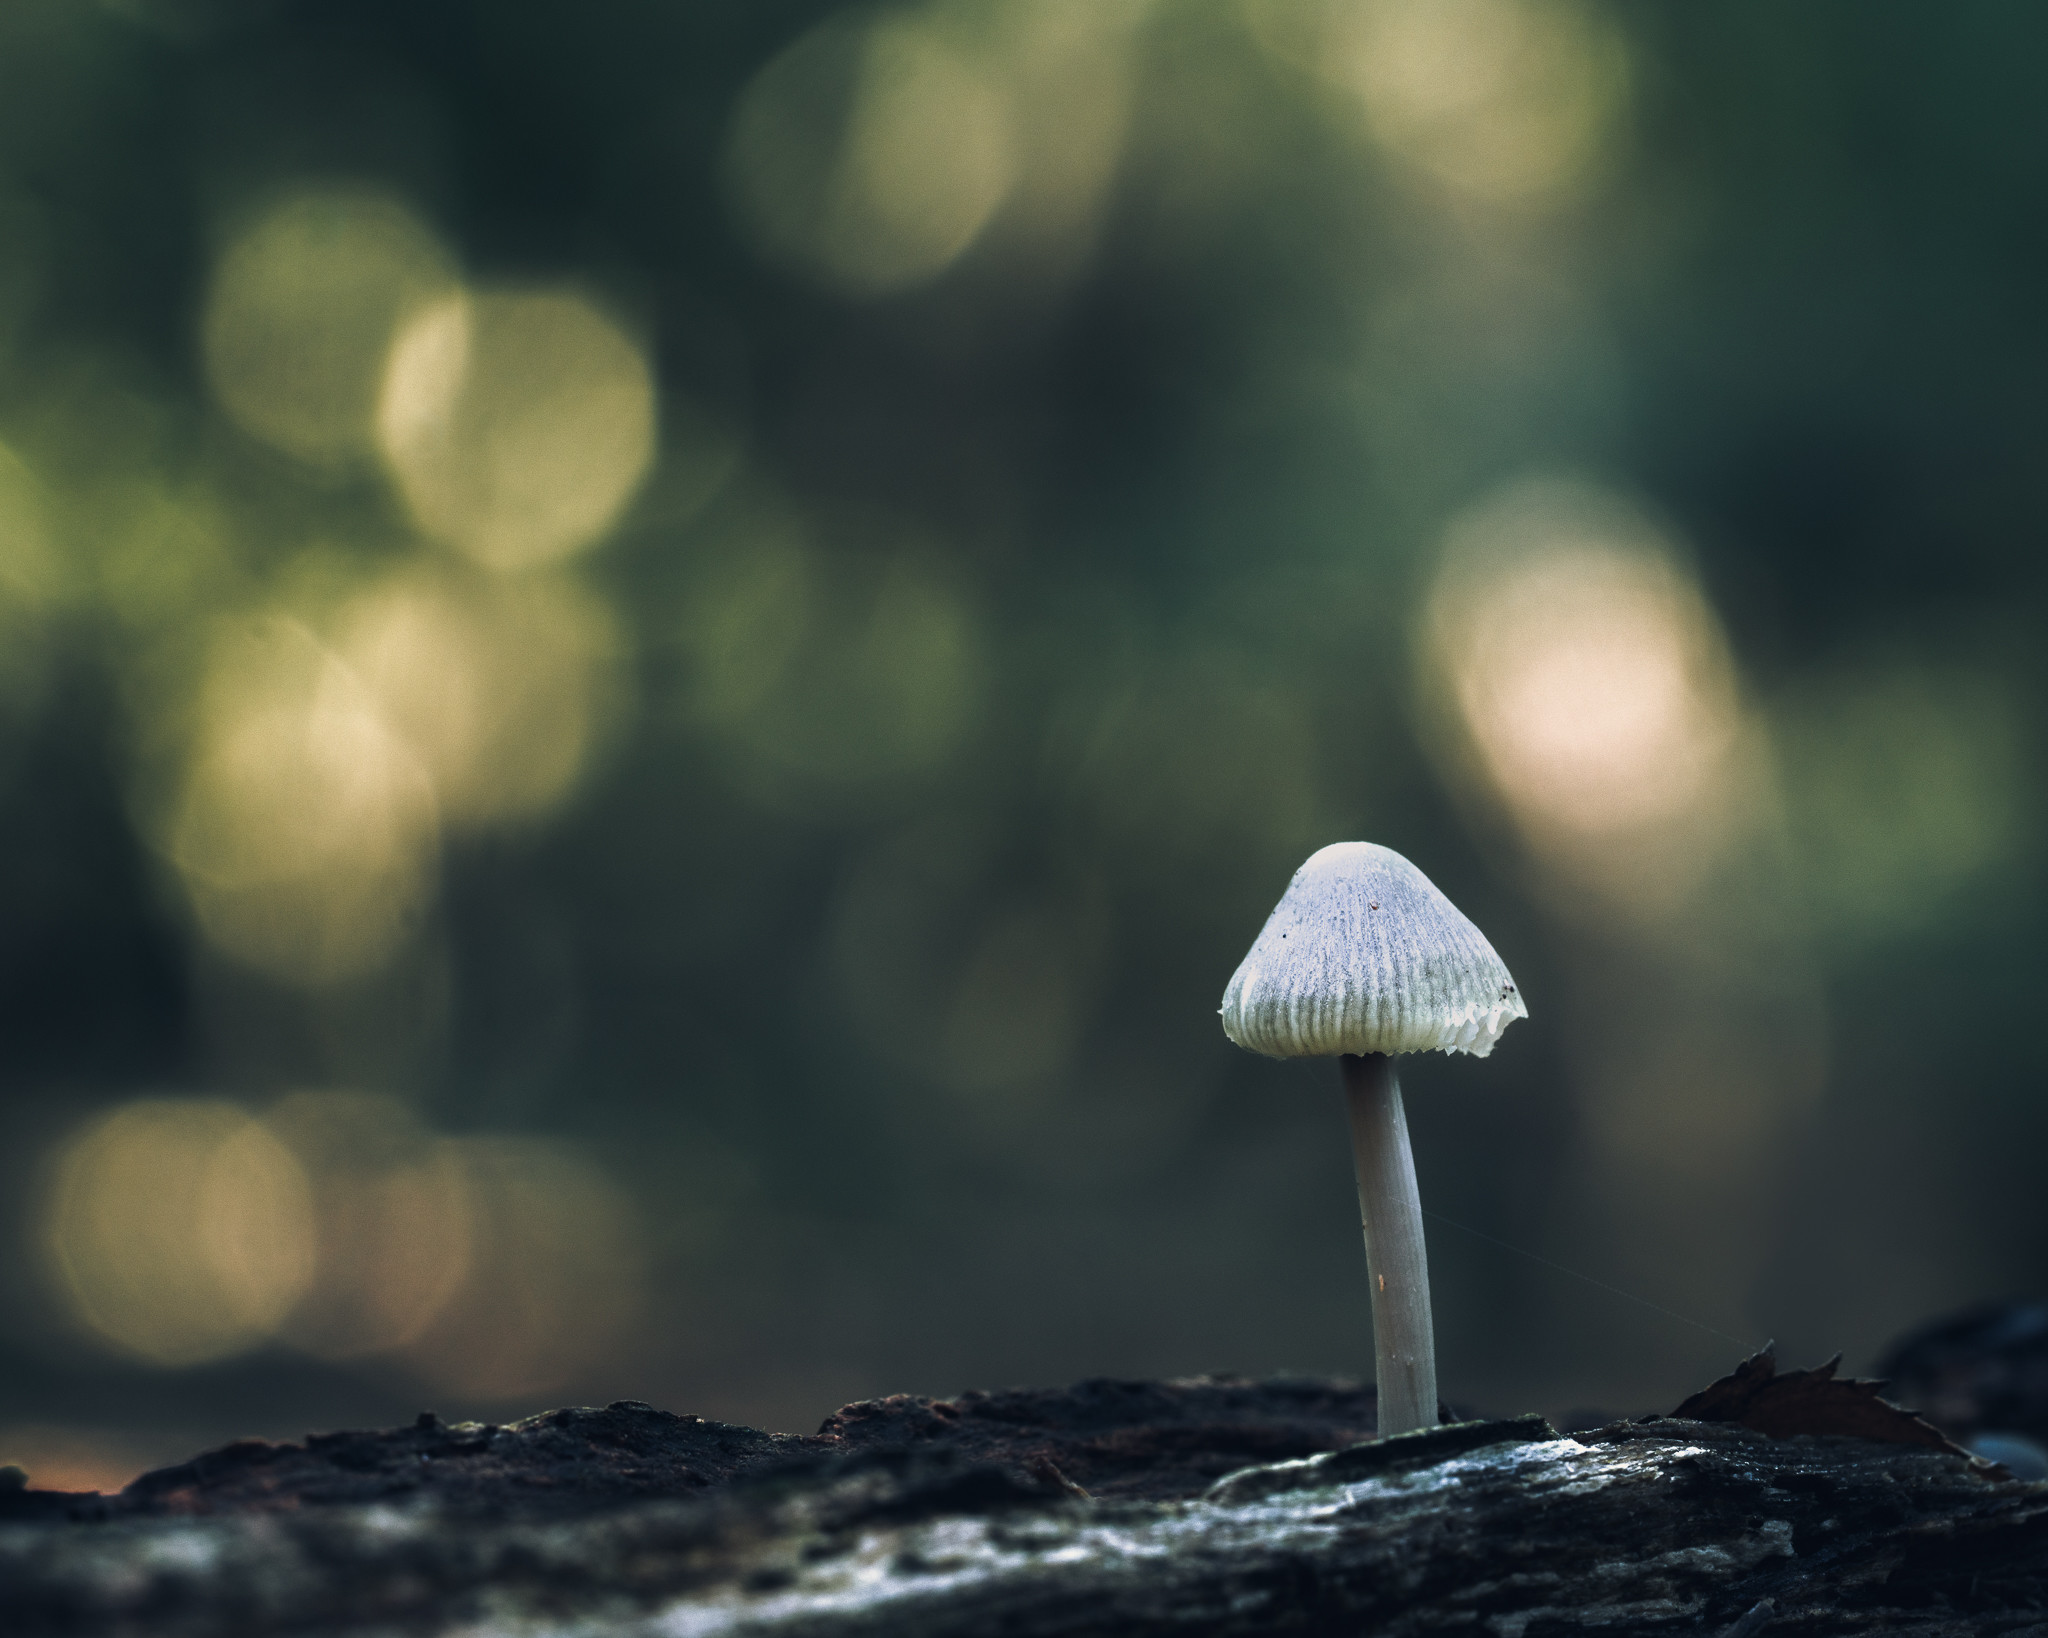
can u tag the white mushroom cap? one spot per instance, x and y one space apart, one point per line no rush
1363 954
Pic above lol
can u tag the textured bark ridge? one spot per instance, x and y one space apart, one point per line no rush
1199 1507
1129 1440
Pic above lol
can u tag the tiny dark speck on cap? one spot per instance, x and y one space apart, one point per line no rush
1372 907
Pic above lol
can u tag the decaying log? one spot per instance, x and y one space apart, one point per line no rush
910 1517
1130 1440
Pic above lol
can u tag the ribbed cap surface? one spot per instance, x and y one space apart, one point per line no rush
1363 954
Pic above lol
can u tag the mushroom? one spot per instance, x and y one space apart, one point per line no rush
1363 958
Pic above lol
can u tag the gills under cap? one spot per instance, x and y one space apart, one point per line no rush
1363 954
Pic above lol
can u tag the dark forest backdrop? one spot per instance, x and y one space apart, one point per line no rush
655 657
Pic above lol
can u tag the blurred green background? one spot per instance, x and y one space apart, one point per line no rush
655 658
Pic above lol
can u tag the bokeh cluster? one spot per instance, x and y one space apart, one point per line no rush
654 659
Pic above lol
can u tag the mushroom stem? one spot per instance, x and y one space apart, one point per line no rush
1390 1206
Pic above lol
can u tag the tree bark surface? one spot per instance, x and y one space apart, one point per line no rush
913 1517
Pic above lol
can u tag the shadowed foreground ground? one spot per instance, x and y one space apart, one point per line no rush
1205 1506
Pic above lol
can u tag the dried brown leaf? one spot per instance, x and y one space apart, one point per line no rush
1784 1404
